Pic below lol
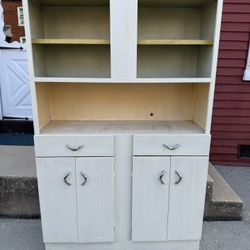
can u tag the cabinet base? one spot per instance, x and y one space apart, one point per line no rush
172 245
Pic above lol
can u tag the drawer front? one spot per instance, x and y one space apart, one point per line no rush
171 145
52 146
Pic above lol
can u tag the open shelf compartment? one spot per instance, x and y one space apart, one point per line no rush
124 108
70 38
175 38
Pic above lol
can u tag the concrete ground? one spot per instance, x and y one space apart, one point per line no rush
24 155
26 234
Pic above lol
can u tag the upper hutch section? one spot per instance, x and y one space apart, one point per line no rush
141 41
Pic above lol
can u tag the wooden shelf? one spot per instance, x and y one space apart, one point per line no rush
174 42
121 127
107 42
126 81
72 41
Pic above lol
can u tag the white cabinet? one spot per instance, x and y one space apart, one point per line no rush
95 197
168 198
57 199
186 202
77 199
127 83
150 198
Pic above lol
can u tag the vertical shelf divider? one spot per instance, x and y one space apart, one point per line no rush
123 39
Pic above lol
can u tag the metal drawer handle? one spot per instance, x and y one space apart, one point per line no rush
172 148
179 177
85 179
162 175
66 178
74 149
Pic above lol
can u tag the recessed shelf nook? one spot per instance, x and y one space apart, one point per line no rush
71 38
175 38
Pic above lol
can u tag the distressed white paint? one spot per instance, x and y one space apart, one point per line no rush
123 39
186 203
124 245
123 31
30 65
214 65
89 145
14 83
95 199
183 80
158 144
57 199
150 198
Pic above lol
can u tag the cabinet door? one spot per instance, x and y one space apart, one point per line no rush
95 197
57 194
150 198
187 196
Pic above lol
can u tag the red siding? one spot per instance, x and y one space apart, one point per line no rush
231 114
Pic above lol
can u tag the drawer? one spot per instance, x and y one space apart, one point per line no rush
88 145
171 144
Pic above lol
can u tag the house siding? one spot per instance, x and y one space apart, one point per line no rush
231 113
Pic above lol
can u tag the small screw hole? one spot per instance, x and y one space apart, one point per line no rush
151 114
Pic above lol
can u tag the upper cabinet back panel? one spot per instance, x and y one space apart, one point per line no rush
74 2
71 22
168 23
175 3
76 22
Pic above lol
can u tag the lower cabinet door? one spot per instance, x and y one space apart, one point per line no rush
95 198
57 194
187 195
150 198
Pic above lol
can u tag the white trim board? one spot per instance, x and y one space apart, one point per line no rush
120 80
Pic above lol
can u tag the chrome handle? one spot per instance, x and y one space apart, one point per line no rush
179 177
85 179
65 178
172 148
74 149
162 177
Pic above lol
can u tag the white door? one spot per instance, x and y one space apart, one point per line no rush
150 198
187 195
95 197
14 83
57 194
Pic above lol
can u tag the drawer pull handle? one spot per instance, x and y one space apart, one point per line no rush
85 179
179 177
66 178
172 148
74 149
162 175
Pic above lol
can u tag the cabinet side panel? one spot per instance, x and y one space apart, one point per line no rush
150 198
186 203
200 104
43 104
57 199
36 20
208 18
95 199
